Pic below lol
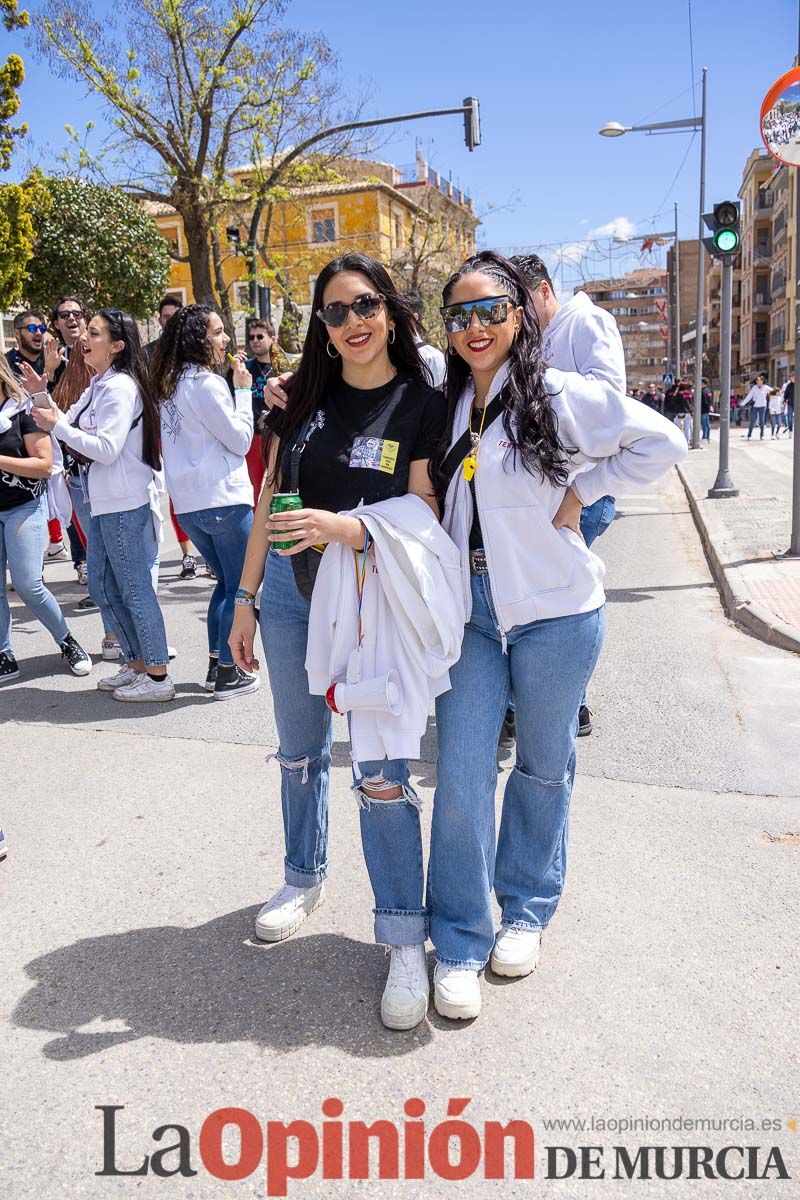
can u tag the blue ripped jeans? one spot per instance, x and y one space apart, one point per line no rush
548 664
390 829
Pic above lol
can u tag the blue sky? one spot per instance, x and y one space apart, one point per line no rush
548 76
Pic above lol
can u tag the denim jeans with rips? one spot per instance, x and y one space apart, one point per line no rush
390 829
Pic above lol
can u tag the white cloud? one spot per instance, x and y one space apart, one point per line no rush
622 227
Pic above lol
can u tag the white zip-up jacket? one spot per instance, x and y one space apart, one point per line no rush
119 478
412 616
205 434
583 337
616 444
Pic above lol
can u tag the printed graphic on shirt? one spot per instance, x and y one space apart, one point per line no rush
171 420
378 454
317 423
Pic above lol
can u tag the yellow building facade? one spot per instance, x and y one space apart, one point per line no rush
411 219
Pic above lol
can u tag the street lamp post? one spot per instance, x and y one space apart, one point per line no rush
615 129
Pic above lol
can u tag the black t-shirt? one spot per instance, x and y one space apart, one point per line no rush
16 489
15 358
361 443
260 372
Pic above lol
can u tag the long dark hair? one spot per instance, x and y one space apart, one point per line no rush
529 422
317 371
184 342
130 361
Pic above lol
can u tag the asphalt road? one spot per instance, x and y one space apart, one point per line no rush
142 843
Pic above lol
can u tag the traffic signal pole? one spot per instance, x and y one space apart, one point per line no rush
723 485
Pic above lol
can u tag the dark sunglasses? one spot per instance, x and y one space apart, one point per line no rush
492 310
258 337
35 328
70 312
335 314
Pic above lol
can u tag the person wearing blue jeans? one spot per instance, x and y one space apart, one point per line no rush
220 534
23 536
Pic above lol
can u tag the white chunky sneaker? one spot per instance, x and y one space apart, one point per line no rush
286 910
405 997
110 649
123 677
456 992
143 690
516 951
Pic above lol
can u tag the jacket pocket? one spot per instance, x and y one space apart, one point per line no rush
528 554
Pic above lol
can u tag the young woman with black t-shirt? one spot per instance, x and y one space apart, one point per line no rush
369 423
26 460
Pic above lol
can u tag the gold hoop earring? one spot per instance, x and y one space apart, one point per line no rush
328 350
392 336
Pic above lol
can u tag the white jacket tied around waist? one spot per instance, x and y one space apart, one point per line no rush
618 446
413 620
119 479
205 434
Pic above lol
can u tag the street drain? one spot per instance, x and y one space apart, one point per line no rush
792 838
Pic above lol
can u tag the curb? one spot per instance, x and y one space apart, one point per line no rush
737 601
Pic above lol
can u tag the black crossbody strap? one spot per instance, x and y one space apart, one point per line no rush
458 452
297 450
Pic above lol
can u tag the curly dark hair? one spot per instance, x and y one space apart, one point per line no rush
318 371
131 361
183 342
529 422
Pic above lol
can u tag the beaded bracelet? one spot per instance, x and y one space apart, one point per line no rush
244 597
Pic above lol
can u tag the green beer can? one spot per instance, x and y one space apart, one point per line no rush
285 502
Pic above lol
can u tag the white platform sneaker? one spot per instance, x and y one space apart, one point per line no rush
405 997
456 992
516 951
287 910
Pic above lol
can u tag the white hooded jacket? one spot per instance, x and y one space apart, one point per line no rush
412 617
616 446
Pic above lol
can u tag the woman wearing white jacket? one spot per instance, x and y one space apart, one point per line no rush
360 426
206 434
114 428
529 447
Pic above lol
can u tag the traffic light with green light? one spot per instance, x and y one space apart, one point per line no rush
725 228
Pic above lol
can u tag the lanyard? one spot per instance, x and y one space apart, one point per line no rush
361 576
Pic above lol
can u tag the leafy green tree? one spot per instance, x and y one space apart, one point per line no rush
99 243
18 204
12 73
193 91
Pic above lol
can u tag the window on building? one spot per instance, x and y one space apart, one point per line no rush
323 225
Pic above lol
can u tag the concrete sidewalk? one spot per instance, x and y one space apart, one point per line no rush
742 534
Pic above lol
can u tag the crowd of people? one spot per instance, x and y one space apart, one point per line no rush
760 401
434 548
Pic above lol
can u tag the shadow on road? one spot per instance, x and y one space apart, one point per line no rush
79 706
212 984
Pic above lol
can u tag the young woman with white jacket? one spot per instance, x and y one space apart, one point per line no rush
555 441
114 429
360 410
205 435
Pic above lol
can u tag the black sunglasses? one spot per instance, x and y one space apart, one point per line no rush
491 310
35 328
63 314
335 314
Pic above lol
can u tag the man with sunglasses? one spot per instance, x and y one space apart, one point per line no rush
29 330
260 340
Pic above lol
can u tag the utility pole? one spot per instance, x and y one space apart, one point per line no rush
701 262
677 300
723 485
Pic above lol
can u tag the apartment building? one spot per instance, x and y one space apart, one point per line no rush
639 302
755 319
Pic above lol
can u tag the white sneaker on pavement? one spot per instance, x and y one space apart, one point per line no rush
285 912
143 689
456 992
405 997
516 951
55 552
110 649
123 677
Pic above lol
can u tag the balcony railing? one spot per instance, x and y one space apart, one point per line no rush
765 198
762 251
760 347
778 285
761 300
779 224
778 338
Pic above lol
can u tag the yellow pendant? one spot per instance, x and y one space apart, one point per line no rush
469 467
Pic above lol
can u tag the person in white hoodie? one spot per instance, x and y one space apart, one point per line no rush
529 448
206 434
359 428
113 427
